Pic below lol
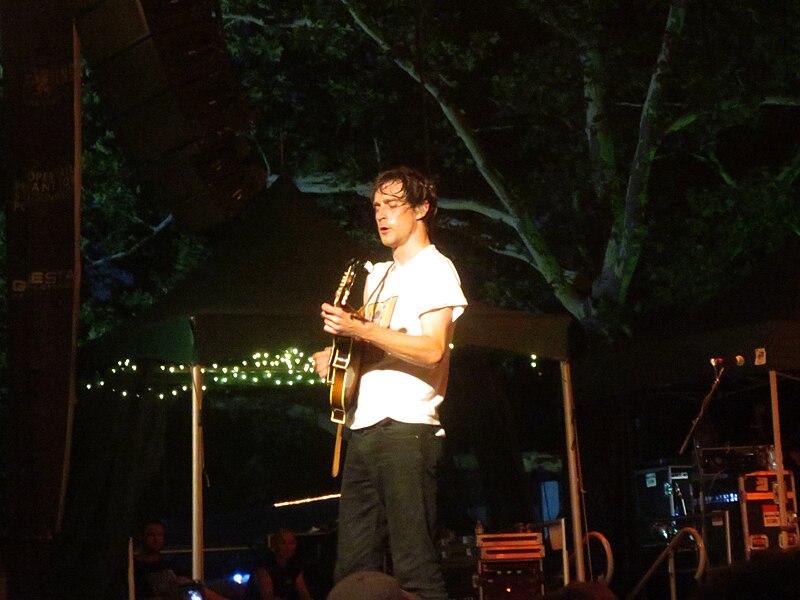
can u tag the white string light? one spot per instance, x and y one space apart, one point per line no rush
289 367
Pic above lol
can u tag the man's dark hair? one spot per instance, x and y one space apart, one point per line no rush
417 188
149 522
279 535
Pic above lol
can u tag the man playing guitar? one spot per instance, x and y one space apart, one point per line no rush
410 307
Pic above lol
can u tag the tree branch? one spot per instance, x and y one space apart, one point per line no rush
296 24
624 245
791 172
542 258
602 154
154 231
512 254
781 101
721 171
481 209
327 183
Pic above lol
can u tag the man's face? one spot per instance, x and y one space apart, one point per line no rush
153 537
286 545
396 219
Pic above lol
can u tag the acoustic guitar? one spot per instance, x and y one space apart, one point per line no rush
345 361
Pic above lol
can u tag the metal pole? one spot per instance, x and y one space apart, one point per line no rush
197 473
131 578
776 435
564 552
673 587
572 463
728 548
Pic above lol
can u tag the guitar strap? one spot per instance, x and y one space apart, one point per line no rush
337 446
337 451
376 293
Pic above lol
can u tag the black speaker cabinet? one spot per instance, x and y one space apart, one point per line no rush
664 502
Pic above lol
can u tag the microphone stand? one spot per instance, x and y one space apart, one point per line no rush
698 460
703 407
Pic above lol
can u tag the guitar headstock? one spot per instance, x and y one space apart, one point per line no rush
346 283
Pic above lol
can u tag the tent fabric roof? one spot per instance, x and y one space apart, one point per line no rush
760 310
651 363
262 287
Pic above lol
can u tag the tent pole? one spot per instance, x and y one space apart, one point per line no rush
572 463
197 473
778 448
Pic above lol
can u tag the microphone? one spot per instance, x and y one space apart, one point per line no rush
731 361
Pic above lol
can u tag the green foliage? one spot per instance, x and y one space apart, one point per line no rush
335 101
719 236
130 257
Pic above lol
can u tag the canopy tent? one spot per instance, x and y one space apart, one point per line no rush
666 358
264 284
262 287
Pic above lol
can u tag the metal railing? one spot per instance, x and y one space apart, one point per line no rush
669 554
609 573
605 577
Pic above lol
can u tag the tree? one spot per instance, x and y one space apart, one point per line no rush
580 138
133 252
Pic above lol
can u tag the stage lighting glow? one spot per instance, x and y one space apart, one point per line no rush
306 500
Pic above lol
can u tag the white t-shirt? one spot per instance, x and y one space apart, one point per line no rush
391 387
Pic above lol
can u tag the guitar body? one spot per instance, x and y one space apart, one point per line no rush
343 375
345 363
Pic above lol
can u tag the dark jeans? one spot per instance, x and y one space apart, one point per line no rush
389 491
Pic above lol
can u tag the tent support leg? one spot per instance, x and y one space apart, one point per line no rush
776 435
572 463
197 473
